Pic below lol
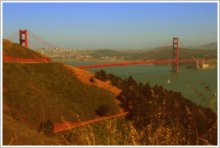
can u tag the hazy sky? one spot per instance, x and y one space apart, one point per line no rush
114 25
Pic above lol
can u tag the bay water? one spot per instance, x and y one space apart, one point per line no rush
200 86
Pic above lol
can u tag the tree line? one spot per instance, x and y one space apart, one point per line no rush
155 108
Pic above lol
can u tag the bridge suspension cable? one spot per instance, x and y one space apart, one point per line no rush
13 37
34 41
42 42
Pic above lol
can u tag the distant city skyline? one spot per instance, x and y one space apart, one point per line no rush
114 25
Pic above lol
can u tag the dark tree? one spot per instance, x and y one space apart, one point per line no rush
46 127
158 107
101 75
102 110
91 80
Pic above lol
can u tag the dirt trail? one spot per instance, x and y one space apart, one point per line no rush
25 60
84 76
60 127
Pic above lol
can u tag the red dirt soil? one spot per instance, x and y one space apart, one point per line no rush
25 60
60 127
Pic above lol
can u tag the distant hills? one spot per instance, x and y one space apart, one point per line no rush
157 53
213 45
206 51
127 55
107 52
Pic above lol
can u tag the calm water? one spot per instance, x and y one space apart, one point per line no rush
200 86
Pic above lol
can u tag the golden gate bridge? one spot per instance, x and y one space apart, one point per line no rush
33 41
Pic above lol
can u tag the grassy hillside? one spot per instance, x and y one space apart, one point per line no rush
15 133
34 93
18 51
37 92
110 132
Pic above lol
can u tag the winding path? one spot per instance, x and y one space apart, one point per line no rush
26 60
60 127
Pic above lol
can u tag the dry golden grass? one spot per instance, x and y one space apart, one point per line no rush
126 134
133 135
84 76
81 136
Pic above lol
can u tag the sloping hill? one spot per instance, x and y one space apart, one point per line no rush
50 91
166 53
13 52
126 54
212 45
85 76
107 53
15 133
34 93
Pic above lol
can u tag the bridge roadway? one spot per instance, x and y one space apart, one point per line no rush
136 63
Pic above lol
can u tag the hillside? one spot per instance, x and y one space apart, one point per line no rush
35 93
49 86
49 91
15 133
213 45
163 53
157 53
13 52
39 95
108 53
119 54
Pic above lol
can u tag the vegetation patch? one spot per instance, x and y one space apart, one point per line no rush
18 51
102 110
164 114
15 133
49 91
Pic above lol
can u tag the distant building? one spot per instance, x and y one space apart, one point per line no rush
202 65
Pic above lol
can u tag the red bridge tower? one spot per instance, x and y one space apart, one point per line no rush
23 38
175 54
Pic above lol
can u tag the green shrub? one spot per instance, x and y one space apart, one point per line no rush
102 110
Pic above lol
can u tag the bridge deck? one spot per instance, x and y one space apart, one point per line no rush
136 63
